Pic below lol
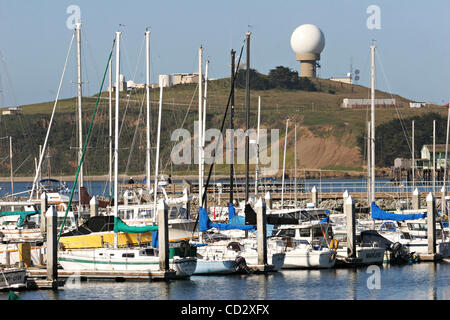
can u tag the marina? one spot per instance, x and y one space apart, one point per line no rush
224 169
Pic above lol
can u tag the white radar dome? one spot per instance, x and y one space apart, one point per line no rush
307 39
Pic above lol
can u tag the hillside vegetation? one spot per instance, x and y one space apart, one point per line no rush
328 137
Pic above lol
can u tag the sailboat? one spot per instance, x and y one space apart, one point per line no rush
128 258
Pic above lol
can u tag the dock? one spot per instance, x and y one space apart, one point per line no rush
39 274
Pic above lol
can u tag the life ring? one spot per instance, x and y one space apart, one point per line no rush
333 244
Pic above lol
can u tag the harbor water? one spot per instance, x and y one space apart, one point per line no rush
424 281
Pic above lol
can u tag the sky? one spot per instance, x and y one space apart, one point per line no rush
412 55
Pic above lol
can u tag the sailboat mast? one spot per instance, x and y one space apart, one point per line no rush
116 136
434 156
284 163
200 127
257 147
204 126
446 149
412 156
110 130
11 164
147 87
232 126
369 181
372 129
80 122
247 118
295 164
158 141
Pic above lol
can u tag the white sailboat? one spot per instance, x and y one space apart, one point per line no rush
134 258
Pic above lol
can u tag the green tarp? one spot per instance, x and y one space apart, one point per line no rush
23 215
120 226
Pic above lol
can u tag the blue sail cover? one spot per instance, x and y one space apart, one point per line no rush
231 211
379 214
204 223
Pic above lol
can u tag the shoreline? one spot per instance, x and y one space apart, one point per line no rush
309 175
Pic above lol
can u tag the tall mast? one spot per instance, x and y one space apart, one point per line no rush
446 150
257 147
158 139
110 131
116 137
147 87
372 129
247 117
412 156
200 127
204 102
204 126
434 156
11 165
369 181
232 127
295 164
80 122
284 163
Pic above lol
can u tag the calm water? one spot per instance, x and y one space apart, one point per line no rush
426 281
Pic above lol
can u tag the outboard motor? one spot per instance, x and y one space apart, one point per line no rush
240 265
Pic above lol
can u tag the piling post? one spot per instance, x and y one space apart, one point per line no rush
93 206
443 201
314 197
52 249
261 225
44 206
416 199
163 235
7 256
349 211
431 223
268 199
345 196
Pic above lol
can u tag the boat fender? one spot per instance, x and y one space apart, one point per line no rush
334 244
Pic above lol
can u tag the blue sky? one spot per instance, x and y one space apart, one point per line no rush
413 46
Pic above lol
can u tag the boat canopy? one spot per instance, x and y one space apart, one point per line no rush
378 214
22 215
205 223
120 226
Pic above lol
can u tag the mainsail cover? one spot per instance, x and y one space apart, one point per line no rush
120 226
22 215
378 214
204 223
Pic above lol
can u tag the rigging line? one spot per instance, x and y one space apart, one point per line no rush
2 58
395 105
203 198
41 156
22 163
131 91
86 141
184 120
134 137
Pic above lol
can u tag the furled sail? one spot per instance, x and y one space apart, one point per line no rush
204 223
378 214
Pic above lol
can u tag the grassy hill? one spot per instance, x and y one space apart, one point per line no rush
327 134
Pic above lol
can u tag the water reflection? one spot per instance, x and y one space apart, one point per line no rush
410 282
